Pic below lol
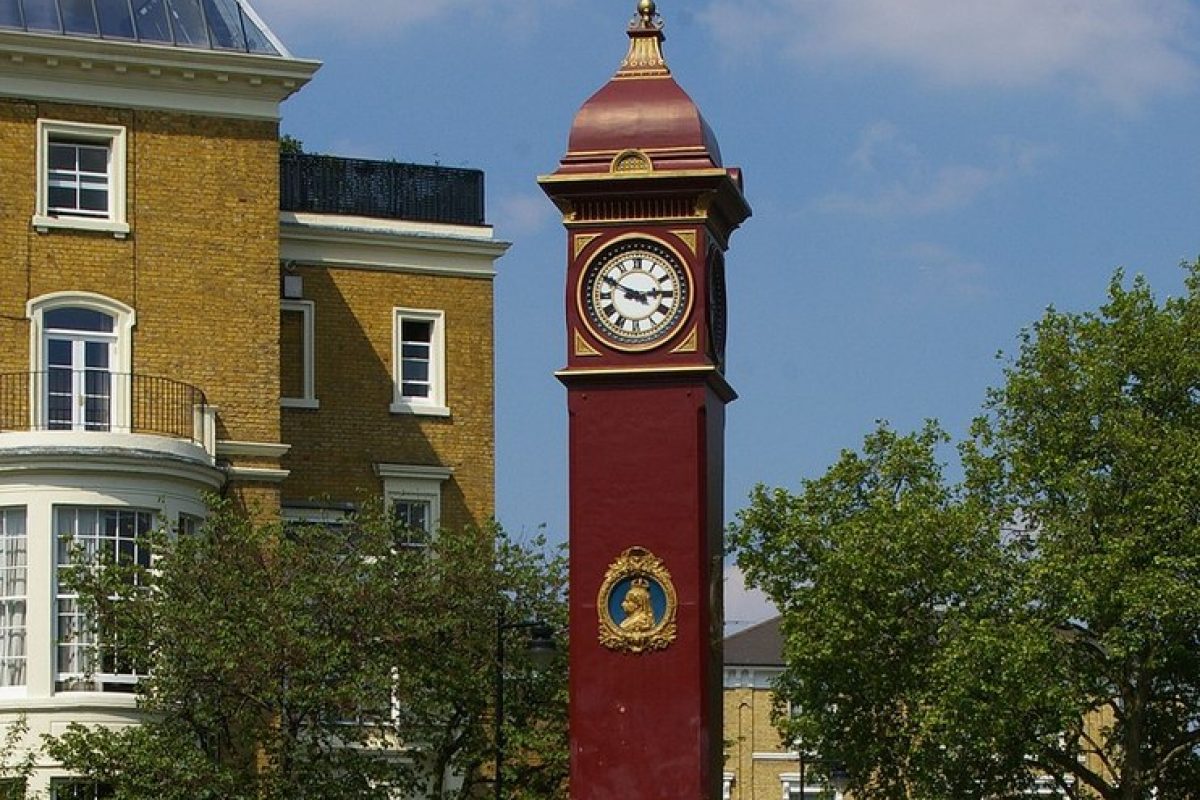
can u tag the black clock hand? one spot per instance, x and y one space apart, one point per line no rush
636 296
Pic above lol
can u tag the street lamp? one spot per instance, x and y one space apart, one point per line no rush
835 773
540 649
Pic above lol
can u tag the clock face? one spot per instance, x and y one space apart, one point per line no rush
635 294
716 305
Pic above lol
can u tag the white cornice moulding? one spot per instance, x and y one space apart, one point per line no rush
750 677
413 471
230 447
146 76
388 245
93 453
257 474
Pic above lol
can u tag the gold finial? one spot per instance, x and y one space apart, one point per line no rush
645 58
647 18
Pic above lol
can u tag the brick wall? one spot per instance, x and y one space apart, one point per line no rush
334 448
200 266
748 730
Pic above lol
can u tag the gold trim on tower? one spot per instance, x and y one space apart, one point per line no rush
688 238
631 161
689 343
645 58
582 240
582 348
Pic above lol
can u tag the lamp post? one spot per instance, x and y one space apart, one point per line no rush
540 648
836 775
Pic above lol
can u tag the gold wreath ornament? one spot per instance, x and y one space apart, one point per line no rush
633 576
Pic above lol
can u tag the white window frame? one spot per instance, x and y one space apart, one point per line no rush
307 310
790 782
97 679
110 136
58 787
413 483
434 405
121 362
18 573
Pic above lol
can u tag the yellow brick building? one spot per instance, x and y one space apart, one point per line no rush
172 326
758 764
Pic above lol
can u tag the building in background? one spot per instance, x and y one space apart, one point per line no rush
169 328
758 764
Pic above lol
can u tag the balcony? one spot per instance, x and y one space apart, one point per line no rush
81 408
383 189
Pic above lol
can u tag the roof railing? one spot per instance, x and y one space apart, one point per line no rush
385 189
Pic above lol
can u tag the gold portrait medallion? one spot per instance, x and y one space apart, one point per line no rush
637 604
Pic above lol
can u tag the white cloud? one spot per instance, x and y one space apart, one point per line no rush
893 178
1119 51
743 606
521 215
944 273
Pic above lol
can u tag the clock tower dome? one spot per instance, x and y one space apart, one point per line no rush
648 207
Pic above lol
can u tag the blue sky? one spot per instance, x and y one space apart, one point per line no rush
927 176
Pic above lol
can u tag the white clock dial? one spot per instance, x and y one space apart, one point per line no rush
634 294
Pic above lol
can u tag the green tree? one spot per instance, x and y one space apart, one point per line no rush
322 662
1039 617
290 145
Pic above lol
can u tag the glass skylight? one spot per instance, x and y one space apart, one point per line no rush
201 24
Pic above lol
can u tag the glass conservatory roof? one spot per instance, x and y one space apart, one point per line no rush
199 24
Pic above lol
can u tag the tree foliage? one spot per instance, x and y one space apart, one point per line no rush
322 662
1038 617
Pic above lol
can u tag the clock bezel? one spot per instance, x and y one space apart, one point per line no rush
605 254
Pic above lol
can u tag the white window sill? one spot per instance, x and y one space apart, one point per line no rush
299 402
419 409
44 224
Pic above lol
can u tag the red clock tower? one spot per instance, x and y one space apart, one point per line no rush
649 208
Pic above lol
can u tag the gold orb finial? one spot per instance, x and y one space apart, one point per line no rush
647 10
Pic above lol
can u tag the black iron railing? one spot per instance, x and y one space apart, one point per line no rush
100 401
388 189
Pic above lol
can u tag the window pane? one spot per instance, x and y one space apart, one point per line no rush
115 21
95 357
10 14
13 552
225 24
114 532
414 389
412 330
93 158
189 24
414 517
78 319
151 19
62 199
58 353
78 16
291 354
42 15
410 350
256 40
79 790
94 201
97 414
416 371
97 383
62 156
